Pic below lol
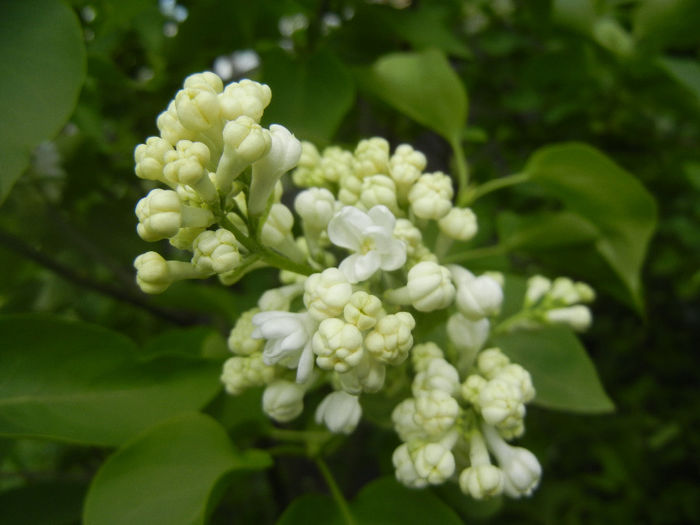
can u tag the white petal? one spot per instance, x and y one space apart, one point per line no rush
394 257
306 364
382 216
345 228
365 265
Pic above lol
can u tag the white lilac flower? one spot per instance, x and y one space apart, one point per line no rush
520 466
370 236
288 340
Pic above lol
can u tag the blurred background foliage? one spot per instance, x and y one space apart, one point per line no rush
621 75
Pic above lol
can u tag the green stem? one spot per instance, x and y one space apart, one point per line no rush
506 325
335 491
478 253
299 435
462 168
493 185
266 255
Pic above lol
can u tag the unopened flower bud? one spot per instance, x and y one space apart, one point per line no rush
477 297
471 388
245 98
520 466
283 400
467 336
150 158
459 224
216 251
206 80
537 288
277 228
240 340
154 274
438 375
371 157
316 207
282 156
337 345
197 108
578 317
378 190
431 196
423 354
244 143
240 373
326 293
482 481
391 339
491 361
436 412
161 214
363 310
340 412
429 288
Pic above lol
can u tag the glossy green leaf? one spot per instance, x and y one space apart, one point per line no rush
387 502
311 96
545 231
615 202
563 374
167 474
422 86
663 23
46 503
78 382
42 70
311 508
193 341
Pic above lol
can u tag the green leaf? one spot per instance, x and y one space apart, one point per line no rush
42 70
50 503
545 231
194 341
311 96
167 474
685 72
311 508
82 383
577 14
386 502
424 87
664 23
594 187
563 374
428 26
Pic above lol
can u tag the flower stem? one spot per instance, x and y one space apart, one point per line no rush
469 197
335 491
461 166
266 255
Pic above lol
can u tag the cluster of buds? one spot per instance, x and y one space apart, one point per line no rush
222 172
561 301
448 427
359 283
